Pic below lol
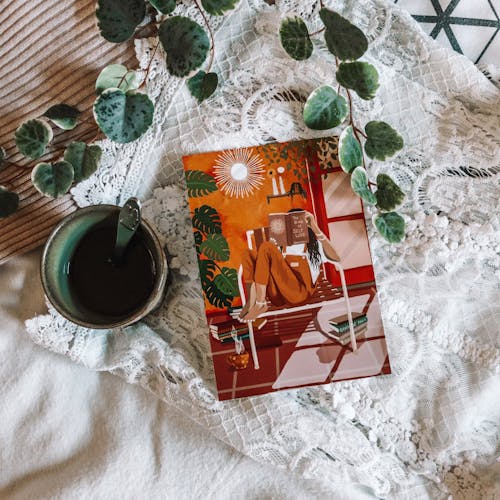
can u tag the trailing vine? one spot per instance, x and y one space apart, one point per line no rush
122 112
326 108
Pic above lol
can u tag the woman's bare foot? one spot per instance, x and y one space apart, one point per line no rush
251 297
244 312
254 312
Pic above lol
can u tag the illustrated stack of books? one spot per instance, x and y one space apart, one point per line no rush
340 327
227 331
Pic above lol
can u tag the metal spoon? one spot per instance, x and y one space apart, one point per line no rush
128 222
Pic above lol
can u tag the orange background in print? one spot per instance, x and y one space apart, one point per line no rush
241 214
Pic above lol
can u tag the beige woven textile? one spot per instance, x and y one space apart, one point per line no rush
50 52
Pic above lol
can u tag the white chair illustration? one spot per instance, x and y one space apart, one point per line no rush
321 300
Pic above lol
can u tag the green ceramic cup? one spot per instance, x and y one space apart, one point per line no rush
57 254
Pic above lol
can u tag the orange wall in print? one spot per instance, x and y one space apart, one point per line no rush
241 214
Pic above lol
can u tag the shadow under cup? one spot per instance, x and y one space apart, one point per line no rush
58 253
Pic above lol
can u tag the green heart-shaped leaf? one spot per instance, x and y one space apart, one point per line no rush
324 109
85 159
186 44
202 85
215 247
295 39
32 137
383 141
342 38
218 7
359 184
391 226
117 19
199 183
163 6
227 281
53 179
123 117
116 76
63 116
359 76
9 202
389 194
3 155
350 152
207 220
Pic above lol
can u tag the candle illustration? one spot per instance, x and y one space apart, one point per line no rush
272 173
281 170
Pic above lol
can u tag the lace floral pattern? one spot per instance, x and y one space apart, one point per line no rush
430 430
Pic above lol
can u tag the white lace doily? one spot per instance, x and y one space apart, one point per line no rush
431 429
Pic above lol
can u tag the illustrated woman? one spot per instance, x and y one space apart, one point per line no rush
285 275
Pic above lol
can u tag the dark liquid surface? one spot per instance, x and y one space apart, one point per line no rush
106 288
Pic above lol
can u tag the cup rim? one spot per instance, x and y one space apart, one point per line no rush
138 314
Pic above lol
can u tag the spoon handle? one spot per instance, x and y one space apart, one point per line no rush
129 220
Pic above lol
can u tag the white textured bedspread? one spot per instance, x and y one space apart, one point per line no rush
68 432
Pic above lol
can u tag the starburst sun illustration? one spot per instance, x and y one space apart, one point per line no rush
238 172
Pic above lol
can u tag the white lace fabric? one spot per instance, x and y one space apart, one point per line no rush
429 430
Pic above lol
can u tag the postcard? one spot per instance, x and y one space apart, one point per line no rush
285 268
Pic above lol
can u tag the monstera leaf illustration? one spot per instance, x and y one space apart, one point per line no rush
215 247
207 220
227 281
216 297
199 183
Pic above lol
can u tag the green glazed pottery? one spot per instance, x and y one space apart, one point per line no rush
56 258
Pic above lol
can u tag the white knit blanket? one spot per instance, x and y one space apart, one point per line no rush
429 430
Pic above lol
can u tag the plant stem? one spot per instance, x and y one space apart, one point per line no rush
212 42
79 137
97 136
123 78
317 32
148 68
350 107
147 31
354 128
360 132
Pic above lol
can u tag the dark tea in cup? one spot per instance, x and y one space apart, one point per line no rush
83 283
101 285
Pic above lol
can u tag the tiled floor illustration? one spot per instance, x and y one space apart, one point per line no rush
296 352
